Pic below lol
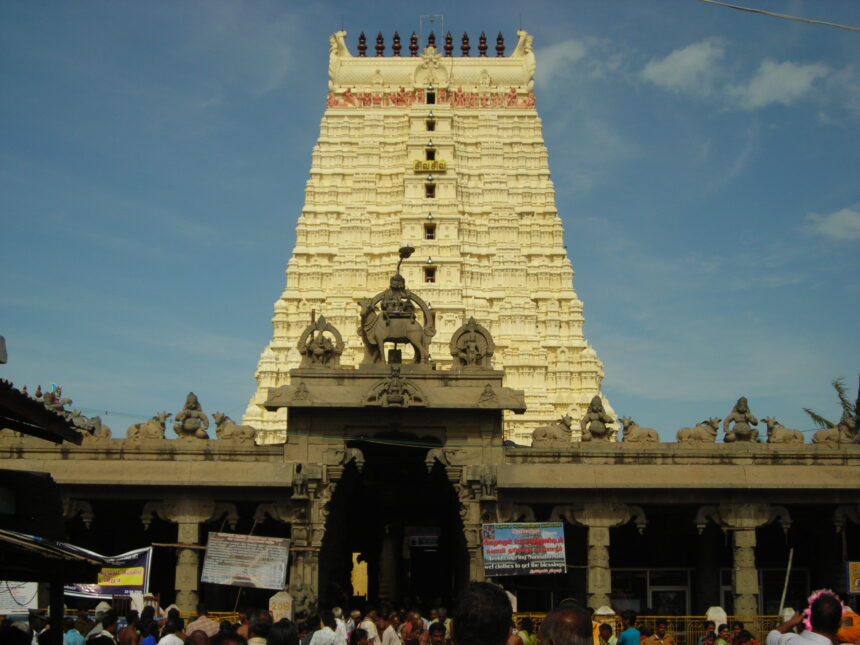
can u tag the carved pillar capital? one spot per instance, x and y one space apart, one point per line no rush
74 507
599 518
844 514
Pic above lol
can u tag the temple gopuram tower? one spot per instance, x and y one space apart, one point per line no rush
444 151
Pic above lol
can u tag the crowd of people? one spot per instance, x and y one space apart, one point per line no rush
482 616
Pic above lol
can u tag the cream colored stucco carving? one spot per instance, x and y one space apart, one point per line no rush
498 250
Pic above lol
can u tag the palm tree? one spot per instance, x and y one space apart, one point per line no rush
849 410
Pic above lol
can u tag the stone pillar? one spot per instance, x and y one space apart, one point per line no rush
743 520
188 514
599 518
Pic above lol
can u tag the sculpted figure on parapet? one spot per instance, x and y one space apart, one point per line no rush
634 433
742 419
395 300
228 430
595 423
703 431
844 432
191 420
152 429
555 435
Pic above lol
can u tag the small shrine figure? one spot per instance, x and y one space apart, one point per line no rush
395 300
742 419
472 347
595 423
317 347
191 421
300 483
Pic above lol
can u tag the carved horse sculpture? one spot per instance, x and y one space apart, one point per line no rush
375 331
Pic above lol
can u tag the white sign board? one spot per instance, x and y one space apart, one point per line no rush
246 561
17 597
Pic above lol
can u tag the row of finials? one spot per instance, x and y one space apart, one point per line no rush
465 47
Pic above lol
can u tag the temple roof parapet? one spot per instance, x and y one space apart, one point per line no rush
432 66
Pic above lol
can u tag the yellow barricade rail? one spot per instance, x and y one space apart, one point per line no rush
687 630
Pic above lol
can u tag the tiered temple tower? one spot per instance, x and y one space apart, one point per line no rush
446 152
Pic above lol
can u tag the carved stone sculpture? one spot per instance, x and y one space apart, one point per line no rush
737 426
303 601
488 397
191 420
488 482
395 392
555 435
778 433
595 423
228 430
353 455
472 347
300 483
634 433
320 345
152 429
437 454
703 431
395 322
509 512
844 432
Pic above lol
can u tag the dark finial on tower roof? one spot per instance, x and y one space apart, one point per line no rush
449 44
362 44
380 44
413 45
500 45
465 47
431 40
395 45
482 44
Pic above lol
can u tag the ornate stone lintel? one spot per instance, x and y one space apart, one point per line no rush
74 507
395 391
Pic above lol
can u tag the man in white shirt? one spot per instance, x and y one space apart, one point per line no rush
340 630
389 634
326 635
826 618
369 625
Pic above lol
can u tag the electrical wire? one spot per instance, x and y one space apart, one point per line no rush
784 16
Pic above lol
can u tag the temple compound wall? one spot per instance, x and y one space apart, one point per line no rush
447 152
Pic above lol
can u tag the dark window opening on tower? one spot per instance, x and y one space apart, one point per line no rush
430 191
431 98
430 154
429 231
429 274
431 125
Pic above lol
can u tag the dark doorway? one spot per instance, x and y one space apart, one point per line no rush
401 520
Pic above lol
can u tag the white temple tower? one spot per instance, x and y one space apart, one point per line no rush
447 152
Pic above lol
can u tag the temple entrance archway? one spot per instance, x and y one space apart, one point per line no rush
400 519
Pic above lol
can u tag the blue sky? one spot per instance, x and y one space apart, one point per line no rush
153 157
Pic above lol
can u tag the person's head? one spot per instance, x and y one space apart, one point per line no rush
132 617
709 638
527 625
434 613
83 614
660 628
260 622
371 614
197 637
437 633
645 632
743 637
737 628
327 619
172 625
826 615
201 609
443 613
151 629
359 637
382 622
147 614
226 626
567 626
68 623
395 620
724 632
109 621
628 618
337 611
482 615
605 631
355 615
283 632
228 638
710 626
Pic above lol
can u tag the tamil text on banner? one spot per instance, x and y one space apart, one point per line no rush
122 575
246 561
523 548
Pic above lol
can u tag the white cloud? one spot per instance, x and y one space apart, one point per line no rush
554 62
776 82
692 70
841 225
